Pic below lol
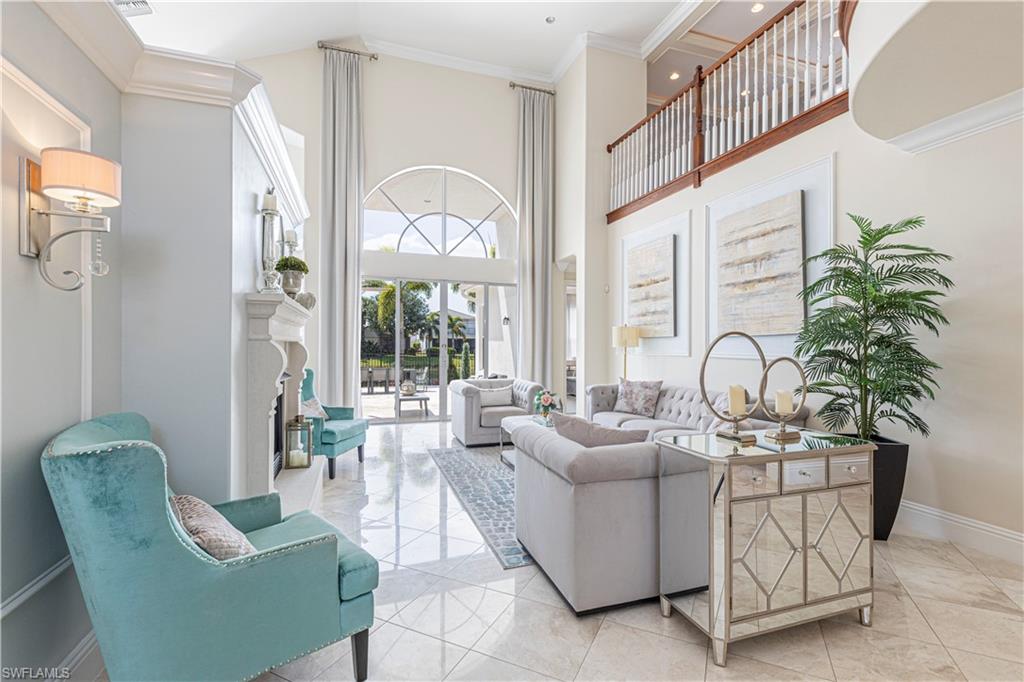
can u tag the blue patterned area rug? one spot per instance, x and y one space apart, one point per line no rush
486 488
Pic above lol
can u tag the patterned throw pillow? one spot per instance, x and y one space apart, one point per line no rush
209 529
312 408
638 397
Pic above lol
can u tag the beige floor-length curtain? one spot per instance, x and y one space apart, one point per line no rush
341 230
535 206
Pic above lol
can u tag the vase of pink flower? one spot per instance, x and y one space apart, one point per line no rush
544 403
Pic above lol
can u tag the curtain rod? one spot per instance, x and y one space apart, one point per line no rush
372 56
513 85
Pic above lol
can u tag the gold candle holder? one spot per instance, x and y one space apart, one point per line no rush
781 435
732 432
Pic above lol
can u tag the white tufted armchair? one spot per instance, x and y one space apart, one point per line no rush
476 425
680 410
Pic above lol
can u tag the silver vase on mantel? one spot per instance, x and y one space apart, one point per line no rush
291 281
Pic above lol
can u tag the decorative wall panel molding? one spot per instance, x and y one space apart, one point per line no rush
257 118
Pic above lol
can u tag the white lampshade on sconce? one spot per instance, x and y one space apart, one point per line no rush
625 337
87 184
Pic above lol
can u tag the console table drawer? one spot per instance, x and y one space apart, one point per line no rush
847 469
803 474
751 480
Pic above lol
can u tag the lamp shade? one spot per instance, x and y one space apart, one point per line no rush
72 175
625 337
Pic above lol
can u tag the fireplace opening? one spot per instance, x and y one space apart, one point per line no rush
279 426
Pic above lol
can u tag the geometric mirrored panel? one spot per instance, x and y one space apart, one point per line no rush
839 542
767 564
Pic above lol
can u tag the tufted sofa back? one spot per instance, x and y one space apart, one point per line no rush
684 405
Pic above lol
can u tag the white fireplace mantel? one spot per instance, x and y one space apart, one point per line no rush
275 325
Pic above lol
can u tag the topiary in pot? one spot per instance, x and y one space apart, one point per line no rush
292 271
860 350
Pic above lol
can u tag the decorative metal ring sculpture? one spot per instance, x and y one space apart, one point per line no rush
782 435
731 419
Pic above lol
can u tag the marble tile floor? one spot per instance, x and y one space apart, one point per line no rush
445 609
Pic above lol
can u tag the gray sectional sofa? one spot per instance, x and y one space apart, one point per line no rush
589 516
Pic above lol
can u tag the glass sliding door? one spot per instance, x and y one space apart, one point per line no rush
422 350
377 350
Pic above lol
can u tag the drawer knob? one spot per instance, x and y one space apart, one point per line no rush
756 479
804 473
851 468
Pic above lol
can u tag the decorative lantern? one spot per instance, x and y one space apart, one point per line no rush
298 451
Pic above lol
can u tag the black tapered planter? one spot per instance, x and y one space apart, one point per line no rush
889 473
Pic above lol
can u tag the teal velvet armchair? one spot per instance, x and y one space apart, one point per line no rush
163 609
337 434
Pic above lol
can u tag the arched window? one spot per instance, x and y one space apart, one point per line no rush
439 211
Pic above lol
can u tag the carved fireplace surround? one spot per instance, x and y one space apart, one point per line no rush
275 346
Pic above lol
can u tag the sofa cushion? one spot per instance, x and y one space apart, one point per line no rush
613 419
589 434
492 397
668 433
337 430
209 529
578 465
491 416
652 426
638 397
357 570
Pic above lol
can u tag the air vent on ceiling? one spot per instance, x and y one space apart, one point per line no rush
133 8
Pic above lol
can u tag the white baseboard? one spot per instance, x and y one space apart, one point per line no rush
84 661
919 519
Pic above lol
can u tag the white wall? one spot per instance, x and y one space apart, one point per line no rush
249 183
414 114
600 95
178 284
970 193
43 331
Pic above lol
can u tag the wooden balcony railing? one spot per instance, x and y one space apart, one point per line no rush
788 76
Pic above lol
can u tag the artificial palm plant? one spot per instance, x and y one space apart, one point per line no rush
859 349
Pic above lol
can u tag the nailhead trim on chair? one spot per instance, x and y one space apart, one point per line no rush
306 653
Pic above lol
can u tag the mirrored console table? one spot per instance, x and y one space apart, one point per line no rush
785 538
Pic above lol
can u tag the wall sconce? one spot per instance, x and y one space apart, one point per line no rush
87 184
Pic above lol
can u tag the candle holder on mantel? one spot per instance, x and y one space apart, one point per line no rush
781 435
732 432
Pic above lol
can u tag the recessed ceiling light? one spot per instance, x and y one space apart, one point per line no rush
745 93
674 76
549 20
756 7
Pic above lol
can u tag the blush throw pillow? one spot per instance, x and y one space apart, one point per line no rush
209 529
638 397
494 397
591 435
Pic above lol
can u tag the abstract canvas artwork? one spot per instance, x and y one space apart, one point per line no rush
651 287
760 274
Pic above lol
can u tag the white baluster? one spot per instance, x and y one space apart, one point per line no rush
796 61
723 140
807 56
785 68
831 48
775 75
817 65
764 89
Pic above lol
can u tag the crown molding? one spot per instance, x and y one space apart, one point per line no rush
415 54
664 30
595 40
109 41
977 119
261 127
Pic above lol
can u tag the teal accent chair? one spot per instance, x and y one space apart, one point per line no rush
163 609
337 434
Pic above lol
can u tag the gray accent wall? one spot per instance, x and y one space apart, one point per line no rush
42 359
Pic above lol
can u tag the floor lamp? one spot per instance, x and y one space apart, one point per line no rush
625 337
